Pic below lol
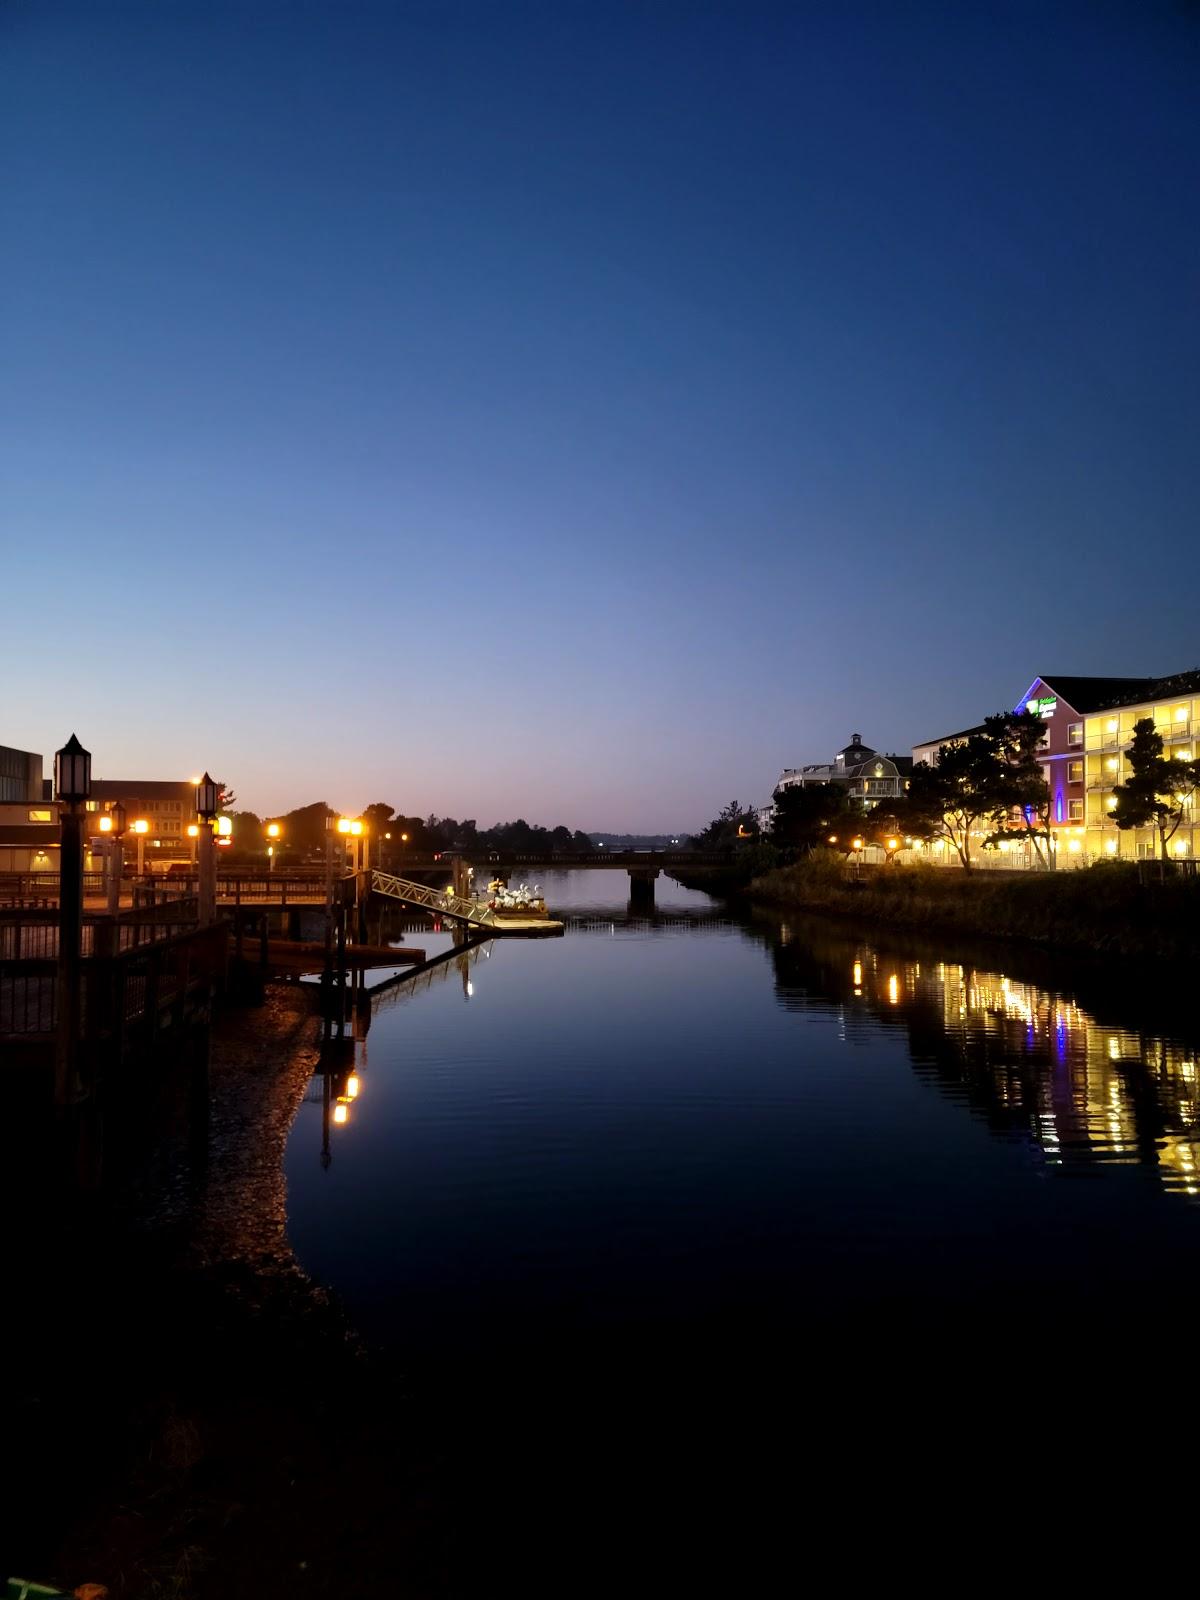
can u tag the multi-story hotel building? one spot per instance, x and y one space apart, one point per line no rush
1089 727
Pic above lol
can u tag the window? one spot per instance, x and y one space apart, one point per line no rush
1074 732
41 816
1074 810
1074 771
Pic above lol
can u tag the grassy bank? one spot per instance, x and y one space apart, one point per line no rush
1103 909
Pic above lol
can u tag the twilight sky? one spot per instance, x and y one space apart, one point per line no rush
580 410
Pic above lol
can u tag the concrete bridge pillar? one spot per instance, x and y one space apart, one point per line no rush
641 886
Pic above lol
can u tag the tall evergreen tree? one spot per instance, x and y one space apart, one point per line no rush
1159 790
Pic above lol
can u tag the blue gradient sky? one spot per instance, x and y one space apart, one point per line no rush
582 411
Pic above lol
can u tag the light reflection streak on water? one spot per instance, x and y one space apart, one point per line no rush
1085 1092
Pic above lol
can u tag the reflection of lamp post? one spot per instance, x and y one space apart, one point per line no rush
72 786
273 832
141 828
208 795
856 844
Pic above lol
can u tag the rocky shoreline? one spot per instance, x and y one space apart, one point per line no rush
198 1417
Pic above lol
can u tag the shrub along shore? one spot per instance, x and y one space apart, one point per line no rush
1103 909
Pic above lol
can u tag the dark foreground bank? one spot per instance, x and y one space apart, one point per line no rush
192 1416
1104 910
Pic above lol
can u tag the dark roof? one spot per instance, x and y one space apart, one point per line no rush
1086 695
945 738
142 788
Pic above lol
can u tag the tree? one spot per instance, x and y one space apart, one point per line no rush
728 830
1018 738
378 817
248 837
950 795
814 814
1158 792
304 828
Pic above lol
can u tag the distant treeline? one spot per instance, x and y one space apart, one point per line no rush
303 831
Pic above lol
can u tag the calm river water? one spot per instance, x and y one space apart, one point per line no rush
694 1192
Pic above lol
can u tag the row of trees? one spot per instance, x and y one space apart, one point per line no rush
991 783
302 832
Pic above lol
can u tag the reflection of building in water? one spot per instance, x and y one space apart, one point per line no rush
1030 1061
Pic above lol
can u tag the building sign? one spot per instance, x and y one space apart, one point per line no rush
1045 707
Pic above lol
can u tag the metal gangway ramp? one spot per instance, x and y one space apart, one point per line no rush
441 902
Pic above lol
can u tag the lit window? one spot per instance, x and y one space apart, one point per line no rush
41 816
1074 771
1074 732
1074 810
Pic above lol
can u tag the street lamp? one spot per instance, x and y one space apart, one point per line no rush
208 799
273 833
72 772
72 784
354 828
141 828
115 818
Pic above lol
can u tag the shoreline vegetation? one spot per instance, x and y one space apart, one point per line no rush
1102 910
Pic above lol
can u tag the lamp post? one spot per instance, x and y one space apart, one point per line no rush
72 786
140 829
273 833
115 818
208 796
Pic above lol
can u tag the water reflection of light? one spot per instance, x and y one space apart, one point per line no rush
858 974
1085 1092
341 1113
470 988
352 1086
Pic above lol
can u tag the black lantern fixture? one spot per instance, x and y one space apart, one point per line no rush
72 772
118 814
208 797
